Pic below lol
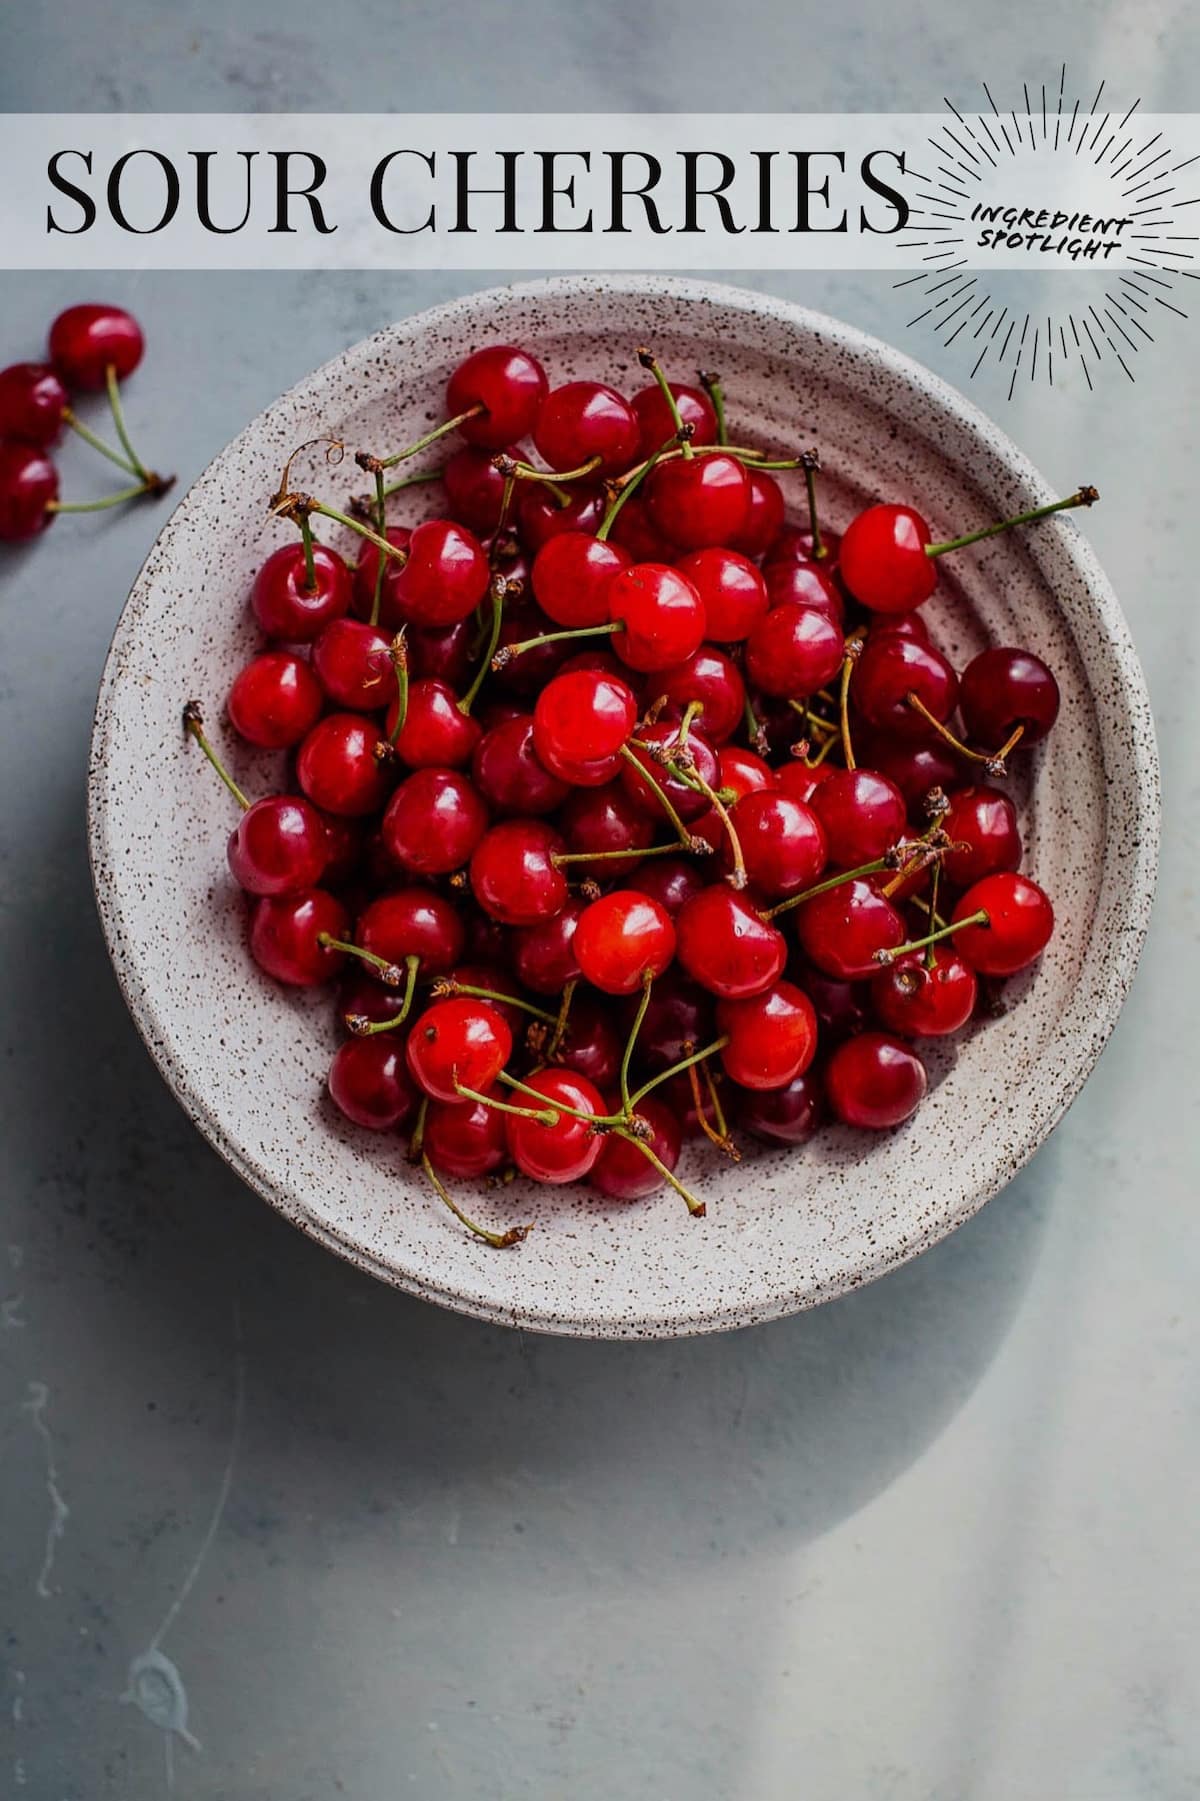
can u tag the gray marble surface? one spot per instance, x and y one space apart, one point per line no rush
935 1541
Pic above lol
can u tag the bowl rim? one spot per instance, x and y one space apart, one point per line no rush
783 1299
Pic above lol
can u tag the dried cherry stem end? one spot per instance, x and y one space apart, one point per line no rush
390 974
650 362
717 1131
500 1240
357 1023
994 761
513 469
193 725
502 657
1083 497
887 957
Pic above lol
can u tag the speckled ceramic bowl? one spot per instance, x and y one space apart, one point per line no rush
784 1230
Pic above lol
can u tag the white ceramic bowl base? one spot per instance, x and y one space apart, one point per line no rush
785 1229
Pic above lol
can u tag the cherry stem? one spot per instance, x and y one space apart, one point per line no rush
114 401
310 566
448 985
193 724
935 882
153 485
716 1133
591 1119
417 1140
359 1024
844 709
810 462
564 1014
754 728
712 387
661 795
833 881
1010 744
664 1075
737 875
356 525
398 651
412 481
631 1041
499 589
381 528
389 973
545 1116
633 854
582 631
623 490
722 1123
431 437
506 499
696 1208
888 957
501 1240
649 361
525 472
1082 497
89 437
992 762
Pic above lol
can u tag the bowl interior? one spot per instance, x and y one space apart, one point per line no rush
784 1229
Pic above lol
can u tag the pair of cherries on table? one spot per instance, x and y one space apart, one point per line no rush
569 755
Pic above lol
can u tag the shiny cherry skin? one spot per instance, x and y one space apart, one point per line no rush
284 604
698 501
874 1081
902 625
436 732
434 821
32 403
772 1036
590 1044
793 651
86 341
841 930
623 939
1020 923
783 842
914 765
370 1085
601 821
841 1006
661 615
28 485
459 1042
446 575
442 654
679 1018
527 674
474 488
510 386
764 514
805 585
712 678
863 814
412 922
285 934
353 663
799 782
883 560
794 544
624 1173
279 846
500 980
785 1115
585 419
510 775
567 1150
362 595
580 723
890 669
732 589
1004 688
981 824
513 873
570 577
466 1138
655 421
745 771
634 531
916 1000
544 954
687 802
725 946
275 700
337 767
542 516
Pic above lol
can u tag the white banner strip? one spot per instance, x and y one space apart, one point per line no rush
733 191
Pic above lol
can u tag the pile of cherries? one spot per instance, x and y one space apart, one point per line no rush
92 349
623 810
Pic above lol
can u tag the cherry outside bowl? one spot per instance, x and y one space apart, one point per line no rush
785 1229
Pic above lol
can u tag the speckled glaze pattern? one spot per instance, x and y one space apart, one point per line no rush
784 1230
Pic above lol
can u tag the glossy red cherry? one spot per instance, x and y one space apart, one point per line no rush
436 732
510 386
732 590
805 585
580 723
746 772
32 403
1020 921
915 766
344 839
661 614
362 596
446 575
883 559
725 946
28 485
85 341
799 782
657 425
286 932
623 938
433 822
567 1150
841 1006
353 663
466 1138
590 1045
584 419
772 1036
698 501
764 515
544 954
1003 689
542 515
459 1042
679 1019
279 846
687 802
841 930
363 996
369 1083
338 769
475 488
793 651
922 1001
796 544
602 821
624 1173
782 840
510 775
981 824
526 675
633 530
710 677
412 922
284 604
785 1115
863 814
513 873
890 669
874 1081
442 653
275 700
901 625
571 574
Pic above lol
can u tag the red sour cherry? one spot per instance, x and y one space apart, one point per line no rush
284 603
772 1036
1020 921
622 939
28 488
875 1081
32 403
508 384
568 1149
458 1043
275 700
86 341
